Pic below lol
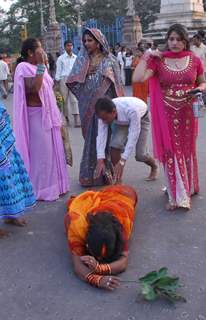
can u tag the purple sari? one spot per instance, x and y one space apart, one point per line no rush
106 81
38 136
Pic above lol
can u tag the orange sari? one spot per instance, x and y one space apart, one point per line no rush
139 89
120 200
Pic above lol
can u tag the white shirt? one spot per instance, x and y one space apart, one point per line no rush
201 53
120 58
4 70
128 61
130 110
64 65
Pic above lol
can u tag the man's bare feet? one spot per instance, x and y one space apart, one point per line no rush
153 174
3 233
19 222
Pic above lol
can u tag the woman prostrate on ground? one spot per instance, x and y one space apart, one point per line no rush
98 226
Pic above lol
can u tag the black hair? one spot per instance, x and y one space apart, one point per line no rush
197 36
105 234
201 33
89 33
1 57
140 44
112 50
29 44
155 45
104 104
182 33
51 61
67 41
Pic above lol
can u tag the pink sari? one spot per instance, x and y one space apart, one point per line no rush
38 136
174 127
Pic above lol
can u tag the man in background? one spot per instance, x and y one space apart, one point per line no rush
4 73
199 49
64 66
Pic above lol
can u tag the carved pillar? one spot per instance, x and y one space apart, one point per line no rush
52 37
132 29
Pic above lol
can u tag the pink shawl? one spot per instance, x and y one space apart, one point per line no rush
50 114
160 130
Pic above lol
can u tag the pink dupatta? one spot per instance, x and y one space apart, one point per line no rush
160 130
50 114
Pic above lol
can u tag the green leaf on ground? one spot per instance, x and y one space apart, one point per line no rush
157 284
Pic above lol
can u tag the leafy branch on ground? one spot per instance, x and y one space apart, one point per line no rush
158 284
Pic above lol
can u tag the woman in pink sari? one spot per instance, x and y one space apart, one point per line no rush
173 74
37 124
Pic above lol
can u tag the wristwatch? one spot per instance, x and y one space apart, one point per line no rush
122 162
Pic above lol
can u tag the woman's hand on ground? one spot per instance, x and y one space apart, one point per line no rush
100 168
109 283
90 262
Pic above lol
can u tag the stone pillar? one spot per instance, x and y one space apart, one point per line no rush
190 13
132 29
52 37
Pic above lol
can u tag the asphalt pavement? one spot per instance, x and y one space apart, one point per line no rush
36 276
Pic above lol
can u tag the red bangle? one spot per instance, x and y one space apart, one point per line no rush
93 279
103 269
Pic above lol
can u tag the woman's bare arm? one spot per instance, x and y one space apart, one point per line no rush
116 267
201 83
108 282
34 84
120 265
141 73
80 268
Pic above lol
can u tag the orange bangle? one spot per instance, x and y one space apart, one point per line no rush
103 269
93 279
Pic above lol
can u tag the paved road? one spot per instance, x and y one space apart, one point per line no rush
36 278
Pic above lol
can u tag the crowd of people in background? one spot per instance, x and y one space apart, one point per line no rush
89 90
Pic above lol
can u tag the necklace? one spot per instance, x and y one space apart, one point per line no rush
94 62
96 59
177 64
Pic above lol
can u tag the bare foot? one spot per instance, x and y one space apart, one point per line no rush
170 207
3 233
19 222
153 174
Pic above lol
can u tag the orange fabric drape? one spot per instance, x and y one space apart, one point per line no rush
120 200
139 90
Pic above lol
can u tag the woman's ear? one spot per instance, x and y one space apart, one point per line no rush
185 45
30 53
